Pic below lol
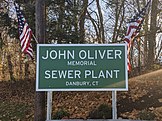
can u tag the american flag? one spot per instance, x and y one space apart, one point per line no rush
134 27
25 33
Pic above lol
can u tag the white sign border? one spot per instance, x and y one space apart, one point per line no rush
83 89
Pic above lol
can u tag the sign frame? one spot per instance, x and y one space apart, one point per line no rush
82 89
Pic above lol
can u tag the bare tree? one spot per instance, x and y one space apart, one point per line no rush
119 18
101 28
152 34
82 21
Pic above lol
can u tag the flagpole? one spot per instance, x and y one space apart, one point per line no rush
35 38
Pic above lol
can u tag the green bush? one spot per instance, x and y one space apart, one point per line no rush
146 115
61 114
104 111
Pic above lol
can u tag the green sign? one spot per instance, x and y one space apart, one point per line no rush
81 67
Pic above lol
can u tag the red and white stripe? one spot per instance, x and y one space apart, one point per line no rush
25 39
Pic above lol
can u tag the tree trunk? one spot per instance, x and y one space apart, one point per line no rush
139 54
117 30
101 23
116 21
82 21
39 114
152 34
3 67
10 68
20 67
60 21
146 40
40 21
26 70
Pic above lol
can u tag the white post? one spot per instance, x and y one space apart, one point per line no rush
49 105
114 106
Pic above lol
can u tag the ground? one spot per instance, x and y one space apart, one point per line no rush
144 95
